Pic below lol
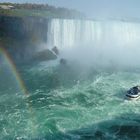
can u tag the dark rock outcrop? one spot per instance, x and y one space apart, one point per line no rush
55 50
63 61
44 55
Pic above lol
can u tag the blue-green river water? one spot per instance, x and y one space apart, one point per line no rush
68 103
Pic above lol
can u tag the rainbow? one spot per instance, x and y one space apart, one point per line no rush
4 54
20 83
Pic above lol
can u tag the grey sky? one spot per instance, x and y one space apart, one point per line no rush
95 8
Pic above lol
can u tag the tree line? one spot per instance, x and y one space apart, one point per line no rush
45 7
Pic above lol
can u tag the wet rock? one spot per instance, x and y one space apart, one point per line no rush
55 50
45 55
63 61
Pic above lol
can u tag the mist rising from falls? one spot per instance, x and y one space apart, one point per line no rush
100 42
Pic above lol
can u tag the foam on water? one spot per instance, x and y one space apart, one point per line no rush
93 108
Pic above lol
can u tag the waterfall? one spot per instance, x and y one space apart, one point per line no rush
66 33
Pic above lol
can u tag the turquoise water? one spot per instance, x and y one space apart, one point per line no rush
68 103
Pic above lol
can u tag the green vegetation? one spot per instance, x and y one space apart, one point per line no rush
37 10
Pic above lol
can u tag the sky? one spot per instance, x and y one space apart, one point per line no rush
95 8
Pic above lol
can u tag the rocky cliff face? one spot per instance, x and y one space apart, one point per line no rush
21 36
27 29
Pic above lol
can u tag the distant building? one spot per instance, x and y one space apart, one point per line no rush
6 7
